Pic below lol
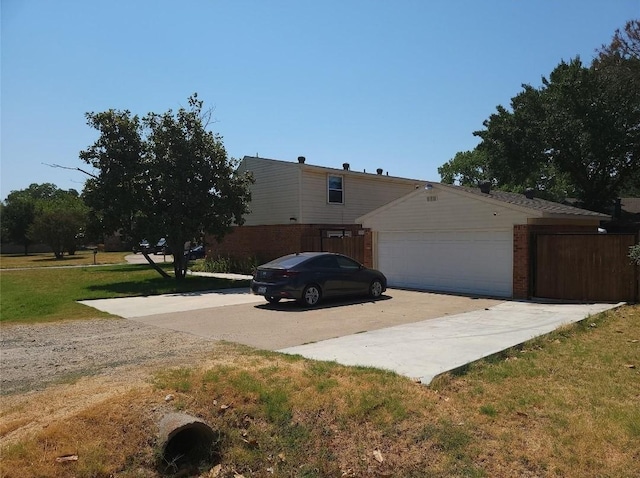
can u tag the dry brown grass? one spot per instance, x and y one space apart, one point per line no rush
564 405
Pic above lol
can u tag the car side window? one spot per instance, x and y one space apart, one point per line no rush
324 262
347 264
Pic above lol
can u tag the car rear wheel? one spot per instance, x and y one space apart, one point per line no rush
375 289
273 300
311 295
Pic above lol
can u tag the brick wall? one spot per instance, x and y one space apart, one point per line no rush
269 241
523 235
521 261
368 248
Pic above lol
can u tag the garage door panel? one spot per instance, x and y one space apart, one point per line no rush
469 262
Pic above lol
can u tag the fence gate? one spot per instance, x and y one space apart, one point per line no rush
585 267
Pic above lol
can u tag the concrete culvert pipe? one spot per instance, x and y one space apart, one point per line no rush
186 441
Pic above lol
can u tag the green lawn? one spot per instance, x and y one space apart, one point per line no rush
47 259
49 294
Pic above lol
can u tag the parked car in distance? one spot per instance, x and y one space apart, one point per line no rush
162 247
197 252
142 245
309 277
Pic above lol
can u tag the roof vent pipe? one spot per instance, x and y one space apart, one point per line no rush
301 159
485 187
379 171
617 208
529 193
345 166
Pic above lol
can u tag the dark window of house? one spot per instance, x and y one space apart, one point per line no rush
335 190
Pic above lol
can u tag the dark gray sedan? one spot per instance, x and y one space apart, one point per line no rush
310 276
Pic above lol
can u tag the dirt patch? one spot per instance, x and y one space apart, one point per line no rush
34 356
50 371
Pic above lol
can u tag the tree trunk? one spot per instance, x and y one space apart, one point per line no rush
154 265
180 265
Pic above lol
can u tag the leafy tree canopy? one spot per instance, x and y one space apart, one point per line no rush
58 221
578 134
20 208
163 175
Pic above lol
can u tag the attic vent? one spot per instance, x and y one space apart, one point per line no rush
530 193
301 159
485 187
432 198
379 171
346 166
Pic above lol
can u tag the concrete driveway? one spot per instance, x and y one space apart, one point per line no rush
238 316
416 334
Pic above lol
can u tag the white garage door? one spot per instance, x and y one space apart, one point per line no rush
467 262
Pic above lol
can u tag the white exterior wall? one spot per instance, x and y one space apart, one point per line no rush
283 190
442 210
362 193
275 195
445 241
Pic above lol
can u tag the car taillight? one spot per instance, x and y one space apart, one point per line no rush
284 274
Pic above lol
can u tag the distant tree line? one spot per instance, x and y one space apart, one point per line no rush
577 135
42 213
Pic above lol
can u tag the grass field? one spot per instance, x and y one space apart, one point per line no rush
47 294
80 258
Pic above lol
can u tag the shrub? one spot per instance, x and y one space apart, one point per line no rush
634 254
231 265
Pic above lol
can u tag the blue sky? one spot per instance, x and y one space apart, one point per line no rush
399 85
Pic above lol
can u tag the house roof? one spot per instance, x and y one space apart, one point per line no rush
534 207
325 169
535 204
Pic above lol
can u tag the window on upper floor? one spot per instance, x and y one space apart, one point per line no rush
335 189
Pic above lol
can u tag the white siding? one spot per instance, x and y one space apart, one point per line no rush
275 195
362 194
442 210
445 241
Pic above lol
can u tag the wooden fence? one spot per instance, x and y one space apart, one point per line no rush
585 267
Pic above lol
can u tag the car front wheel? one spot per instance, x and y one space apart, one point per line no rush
375 289
311 295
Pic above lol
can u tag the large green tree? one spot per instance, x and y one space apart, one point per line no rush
59 221
578 134
467 168
164 175
19 211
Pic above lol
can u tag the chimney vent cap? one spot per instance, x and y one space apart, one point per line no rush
301 159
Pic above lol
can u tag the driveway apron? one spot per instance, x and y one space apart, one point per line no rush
428 348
